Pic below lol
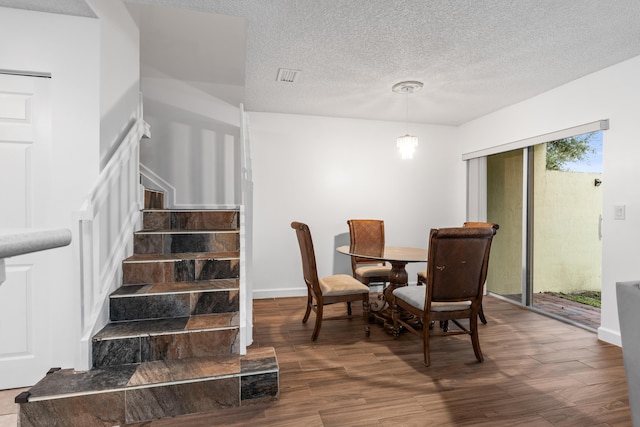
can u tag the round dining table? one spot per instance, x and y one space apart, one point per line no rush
398 257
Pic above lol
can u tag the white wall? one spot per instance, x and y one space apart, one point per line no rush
194 150
119 73
611 94
323 171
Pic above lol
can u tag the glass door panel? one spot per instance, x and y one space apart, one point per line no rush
565 230
505 208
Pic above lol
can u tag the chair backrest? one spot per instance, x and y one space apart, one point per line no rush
457 263
366 236
309 269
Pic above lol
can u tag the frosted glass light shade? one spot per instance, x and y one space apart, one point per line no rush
407 145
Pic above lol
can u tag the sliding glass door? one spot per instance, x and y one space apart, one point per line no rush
547 201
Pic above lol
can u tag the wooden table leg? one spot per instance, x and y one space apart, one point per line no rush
397 277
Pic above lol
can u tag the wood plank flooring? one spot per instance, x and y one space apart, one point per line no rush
537 372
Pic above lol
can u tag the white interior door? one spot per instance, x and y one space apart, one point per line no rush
25 304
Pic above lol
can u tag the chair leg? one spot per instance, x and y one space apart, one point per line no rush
475 341
425 346
316 328
309 305
481 314
366 309
444 324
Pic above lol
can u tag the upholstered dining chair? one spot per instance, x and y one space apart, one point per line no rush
366 236
326 290
422 275
457 264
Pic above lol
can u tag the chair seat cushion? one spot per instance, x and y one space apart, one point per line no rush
341 284
415 296
373 270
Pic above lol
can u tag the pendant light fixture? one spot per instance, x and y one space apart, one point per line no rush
407 143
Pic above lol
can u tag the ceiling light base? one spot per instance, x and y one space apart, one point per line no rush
409 86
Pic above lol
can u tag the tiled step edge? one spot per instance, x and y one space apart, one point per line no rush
140 341
169 300
137 393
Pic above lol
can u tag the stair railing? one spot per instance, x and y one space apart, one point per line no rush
14 242
106 221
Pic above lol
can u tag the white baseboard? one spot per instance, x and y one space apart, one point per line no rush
610 336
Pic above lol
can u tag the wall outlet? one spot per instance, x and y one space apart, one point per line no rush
618 212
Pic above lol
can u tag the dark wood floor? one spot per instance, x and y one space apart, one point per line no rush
537 372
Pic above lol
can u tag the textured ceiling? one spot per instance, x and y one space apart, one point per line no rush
473 56
65 7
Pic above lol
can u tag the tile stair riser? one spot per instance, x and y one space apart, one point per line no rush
150 403
192 220
153 199
138 307
187 270
168 243
171 346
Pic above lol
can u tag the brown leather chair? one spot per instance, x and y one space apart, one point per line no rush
456 271
422 275
327 290
366 236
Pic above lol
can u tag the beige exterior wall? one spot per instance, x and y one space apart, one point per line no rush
504 207
567 249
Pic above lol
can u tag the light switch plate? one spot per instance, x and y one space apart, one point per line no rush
618 212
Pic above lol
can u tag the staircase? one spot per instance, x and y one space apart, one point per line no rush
171 347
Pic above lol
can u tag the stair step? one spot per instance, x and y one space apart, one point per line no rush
132 342
172 241
137 393
153 199
167 300
187 267
190 220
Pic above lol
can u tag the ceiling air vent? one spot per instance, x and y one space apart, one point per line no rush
288 76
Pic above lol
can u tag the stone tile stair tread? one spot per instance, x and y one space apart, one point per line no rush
174 231
182 256
176 287
131 329
68 382
191 210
